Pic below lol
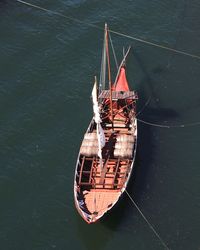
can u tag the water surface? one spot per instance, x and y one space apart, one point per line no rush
47 66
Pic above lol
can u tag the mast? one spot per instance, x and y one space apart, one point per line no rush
109 73
103 66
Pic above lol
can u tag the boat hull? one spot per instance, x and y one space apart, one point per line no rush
96 198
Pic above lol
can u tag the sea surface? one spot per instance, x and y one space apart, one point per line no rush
47 68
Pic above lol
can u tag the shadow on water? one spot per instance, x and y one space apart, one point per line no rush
148 82
138 185
161 114
149 91
139 180
146 141
93 236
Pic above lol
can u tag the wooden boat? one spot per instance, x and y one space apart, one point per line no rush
108 149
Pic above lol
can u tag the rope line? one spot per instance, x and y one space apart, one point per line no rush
170 126
59 14
114 54
145 105
148 223
112 31
156 45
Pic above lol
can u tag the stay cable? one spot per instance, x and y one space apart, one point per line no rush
112 31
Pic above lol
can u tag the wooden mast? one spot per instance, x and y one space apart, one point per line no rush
109 74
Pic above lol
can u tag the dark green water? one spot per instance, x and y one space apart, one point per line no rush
47 64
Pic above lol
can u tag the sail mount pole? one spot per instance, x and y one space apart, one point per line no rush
103 66
109 73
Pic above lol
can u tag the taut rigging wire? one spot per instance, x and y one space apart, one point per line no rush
156 45
146 220
169 126
112 31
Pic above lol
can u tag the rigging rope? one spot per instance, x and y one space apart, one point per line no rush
112 31
145 105
148 223
114 54
59 14
156 45
170 126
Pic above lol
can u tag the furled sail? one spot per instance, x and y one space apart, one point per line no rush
97 118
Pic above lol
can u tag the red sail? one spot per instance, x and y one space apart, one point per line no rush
122 83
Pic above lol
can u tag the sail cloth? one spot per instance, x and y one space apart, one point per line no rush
122 83
97 118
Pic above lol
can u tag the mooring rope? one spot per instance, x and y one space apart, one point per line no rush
147 221
170 126
112 31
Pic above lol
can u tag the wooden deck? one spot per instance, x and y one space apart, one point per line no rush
105 94
113 175
100 185
98 201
